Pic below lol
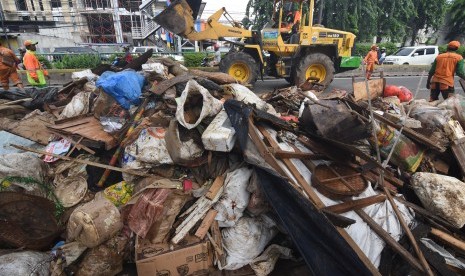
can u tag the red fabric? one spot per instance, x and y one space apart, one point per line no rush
391 90
147 210
405 95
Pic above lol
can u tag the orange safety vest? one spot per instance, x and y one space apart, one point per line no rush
32 64
446 64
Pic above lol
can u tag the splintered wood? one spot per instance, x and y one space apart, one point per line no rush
206 223
199 210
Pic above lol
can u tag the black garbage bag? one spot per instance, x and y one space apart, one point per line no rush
39 96
320 244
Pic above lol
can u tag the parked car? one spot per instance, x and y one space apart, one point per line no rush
418 55
157 51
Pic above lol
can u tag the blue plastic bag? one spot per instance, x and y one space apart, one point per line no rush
125 87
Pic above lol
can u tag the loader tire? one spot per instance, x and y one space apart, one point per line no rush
240 66
315 65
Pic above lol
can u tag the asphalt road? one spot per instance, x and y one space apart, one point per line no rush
411 82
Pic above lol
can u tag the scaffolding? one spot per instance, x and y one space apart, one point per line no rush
109 21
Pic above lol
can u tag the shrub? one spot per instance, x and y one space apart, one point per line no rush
78 62
193 59
460 51
362 49
45 61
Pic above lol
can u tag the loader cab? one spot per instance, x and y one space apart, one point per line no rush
286 24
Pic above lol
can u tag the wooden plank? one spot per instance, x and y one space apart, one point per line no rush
390 240
86 162
449 239
355 204
376 88
427 214
410 133
72 123
215 187
291 154
341 231
217 238
206 223
304 184
161 87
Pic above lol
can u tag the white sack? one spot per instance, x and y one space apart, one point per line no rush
80 104
243 94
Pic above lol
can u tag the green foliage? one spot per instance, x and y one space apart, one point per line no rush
456 19
193 59
362 49
45 61
261 11
114 56
78 62
460 51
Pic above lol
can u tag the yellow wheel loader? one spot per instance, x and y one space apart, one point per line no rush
297 49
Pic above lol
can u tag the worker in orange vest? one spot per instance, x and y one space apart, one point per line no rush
370 60
35 71
441 74
8 63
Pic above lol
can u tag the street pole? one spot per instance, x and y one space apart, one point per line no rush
3 25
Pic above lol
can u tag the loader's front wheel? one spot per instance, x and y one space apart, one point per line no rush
317 66
240 66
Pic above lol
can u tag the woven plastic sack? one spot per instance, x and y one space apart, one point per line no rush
195 104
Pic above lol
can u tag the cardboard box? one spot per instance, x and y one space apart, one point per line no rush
192 257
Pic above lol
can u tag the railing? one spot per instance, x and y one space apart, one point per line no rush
143 32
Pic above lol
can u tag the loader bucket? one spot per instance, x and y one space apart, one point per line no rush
179 17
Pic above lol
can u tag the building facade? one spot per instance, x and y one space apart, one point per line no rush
81 21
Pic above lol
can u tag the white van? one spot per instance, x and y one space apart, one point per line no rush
417 55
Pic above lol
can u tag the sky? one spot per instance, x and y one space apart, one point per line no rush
234 7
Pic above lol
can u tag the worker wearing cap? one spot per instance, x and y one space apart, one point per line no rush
35 70
8 64
441 74
370 60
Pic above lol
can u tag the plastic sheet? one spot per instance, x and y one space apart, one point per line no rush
80 104
235 197
125 87
246 241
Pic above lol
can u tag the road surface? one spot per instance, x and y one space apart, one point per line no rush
411 82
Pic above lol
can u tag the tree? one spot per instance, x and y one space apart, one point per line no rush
261 12
457 19
429 16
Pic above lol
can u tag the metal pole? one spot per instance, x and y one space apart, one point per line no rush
3 25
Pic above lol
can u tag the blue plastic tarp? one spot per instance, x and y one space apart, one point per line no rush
125 87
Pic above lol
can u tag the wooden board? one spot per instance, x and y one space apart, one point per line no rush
206 223
215 187
376 88
89 128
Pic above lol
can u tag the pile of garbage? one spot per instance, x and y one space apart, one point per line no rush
185 172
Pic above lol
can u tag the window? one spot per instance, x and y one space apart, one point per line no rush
96 4
420 52
41 5
26 18
58 18
430 51
55 4
70 3
21 5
